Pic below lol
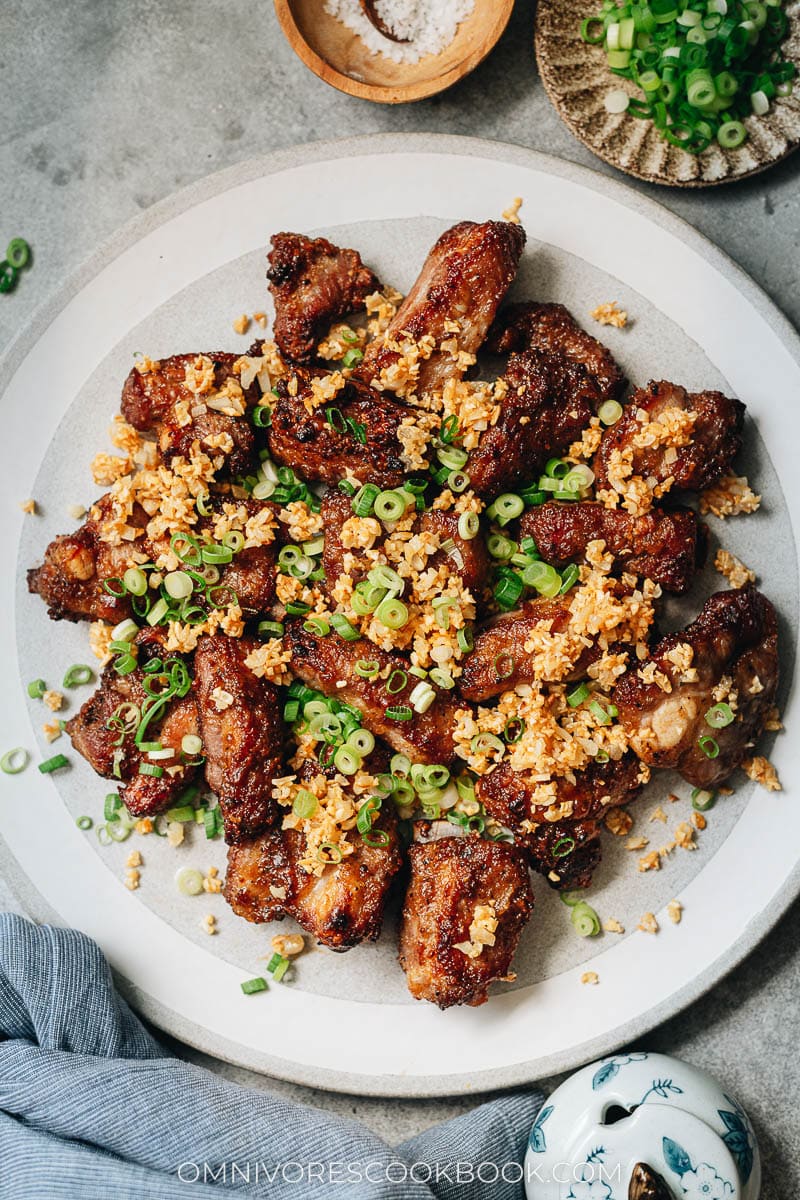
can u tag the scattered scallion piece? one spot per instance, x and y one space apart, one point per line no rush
702 800
584 919
709 746
719 716
77 675
189 881
14 761
84 823
251 986
56 763
36 689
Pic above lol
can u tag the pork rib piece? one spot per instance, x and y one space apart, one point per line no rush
313 283
451 877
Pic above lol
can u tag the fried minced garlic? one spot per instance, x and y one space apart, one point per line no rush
241 324
326 829
339 339
658 814
414 434
211 881
637 843
733 569
590 977
648 923
221 698
651 861
28 506
132 878
684 836
618 821
381 308
761 771
100 639
302 522
52 730
481 931
589 443
52 700
729 496
288 944
512 212
144 826
210 924
673 426
108 468
612 925
134 859
610 313
675 911
270 661
773 723
699 821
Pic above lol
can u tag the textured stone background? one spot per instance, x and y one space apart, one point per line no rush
109 105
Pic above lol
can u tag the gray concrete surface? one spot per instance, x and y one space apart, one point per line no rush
109 105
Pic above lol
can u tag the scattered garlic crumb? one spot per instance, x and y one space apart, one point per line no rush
698 820
260 319
210 924
612 925
725 791
76 511
590 977
134 859
241 324
684 836
28 506
99 640
212 883
773 723
659 815
610 314
512 212
277 893
175 833
648 923
675 911
53 700
673 799
761 770
144 826
132 880
288 944
728 497
52 730
650 862
618 822
222 699
733 569
636 843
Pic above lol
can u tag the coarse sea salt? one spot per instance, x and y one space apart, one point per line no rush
427 26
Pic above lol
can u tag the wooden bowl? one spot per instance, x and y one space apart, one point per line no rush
339 57
577 80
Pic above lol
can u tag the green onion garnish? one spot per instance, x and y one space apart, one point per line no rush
344 628
709 746
702 799
14 761
399 712
584 919
505 508
364 499
84 823
719 716
578 695
392 613
504 665
36 689
563 847
18 253
53 764
277 966
77 676
508 591
251 986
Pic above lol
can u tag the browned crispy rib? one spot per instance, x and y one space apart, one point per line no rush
552 328
242 740
463 279
312 283
715 441
468 559
666 547
144 795
568 850
318 450
322 662
735 638
500 661
341 907
449 877
149 400
550 401
70 580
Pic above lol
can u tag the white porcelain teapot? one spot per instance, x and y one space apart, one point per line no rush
642 1127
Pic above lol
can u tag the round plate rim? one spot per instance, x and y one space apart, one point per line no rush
561 109
171 1022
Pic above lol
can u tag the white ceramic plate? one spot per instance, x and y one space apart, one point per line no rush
174 282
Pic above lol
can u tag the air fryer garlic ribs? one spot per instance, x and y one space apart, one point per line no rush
367 599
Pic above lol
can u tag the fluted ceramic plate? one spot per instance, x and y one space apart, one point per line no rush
577 80
173 282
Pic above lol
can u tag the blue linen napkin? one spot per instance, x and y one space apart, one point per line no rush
91 1106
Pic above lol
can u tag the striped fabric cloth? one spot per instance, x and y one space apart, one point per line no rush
91 1106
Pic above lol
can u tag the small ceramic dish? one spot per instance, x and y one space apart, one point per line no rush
340 57
577 80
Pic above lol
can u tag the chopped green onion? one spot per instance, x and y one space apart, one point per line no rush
399 712
584 919
441 678
465 639
14 761
482 743
572 898
111 806
364 499
36 689
468 526
505 508
84 823
251 986
317 625
610 412
367 669
329 853
504 665
719 716
600 714
708 746
189 881
563 847
52 764
305 804
77 675
270 629
422 697
344 628
508 591
152 769
18 253
569 577
392 613
347 760
702 799
390 506
578 695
